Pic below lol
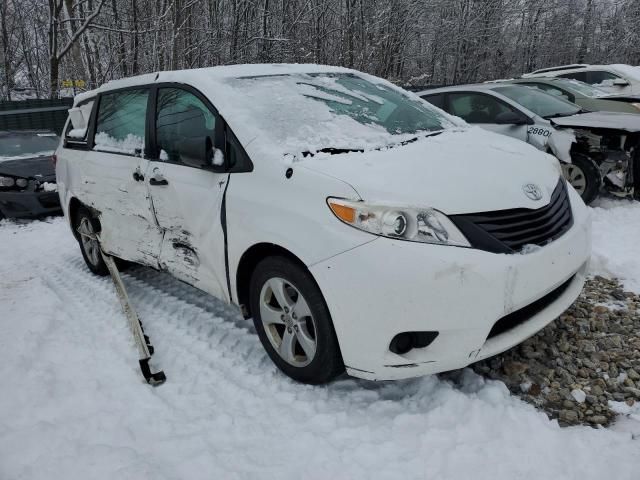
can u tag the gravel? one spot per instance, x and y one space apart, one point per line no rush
588 357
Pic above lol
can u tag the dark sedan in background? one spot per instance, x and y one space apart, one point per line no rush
27 174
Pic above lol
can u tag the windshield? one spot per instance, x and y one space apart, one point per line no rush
580 87
21 145
539 102
341 111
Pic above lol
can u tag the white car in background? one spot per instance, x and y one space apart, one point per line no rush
615 79
597 149
360 227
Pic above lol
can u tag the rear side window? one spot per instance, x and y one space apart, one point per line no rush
121 122
596 77
181 119
436 99
79 117
582 76
476 107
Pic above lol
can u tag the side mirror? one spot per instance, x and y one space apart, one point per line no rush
620 82
199 152
512 118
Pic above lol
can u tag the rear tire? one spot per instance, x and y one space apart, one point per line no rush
293 321
584 176
84 221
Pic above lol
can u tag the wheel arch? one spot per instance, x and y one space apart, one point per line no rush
247 265
74 207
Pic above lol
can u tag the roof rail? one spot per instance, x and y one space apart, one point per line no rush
573 66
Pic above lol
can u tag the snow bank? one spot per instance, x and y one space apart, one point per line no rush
73 404
616 230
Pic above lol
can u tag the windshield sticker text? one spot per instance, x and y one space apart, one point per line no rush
539 131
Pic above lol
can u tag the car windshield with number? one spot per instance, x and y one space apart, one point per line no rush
541 103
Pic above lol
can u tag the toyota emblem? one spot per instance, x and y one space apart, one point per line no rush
532 191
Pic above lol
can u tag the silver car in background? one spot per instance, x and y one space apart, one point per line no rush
597 149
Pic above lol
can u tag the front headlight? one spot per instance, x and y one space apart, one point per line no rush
10 182
424 225
7 182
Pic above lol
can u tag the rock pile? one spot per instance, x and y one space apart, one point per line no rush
575 367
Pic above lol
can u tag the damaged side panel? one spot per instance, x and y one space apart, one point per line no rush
104 182
188 212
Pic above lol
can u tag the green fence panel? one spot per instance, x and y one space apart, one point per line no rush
35 114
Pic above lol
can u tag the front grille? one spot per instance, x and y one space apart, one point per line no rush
507 231
522 315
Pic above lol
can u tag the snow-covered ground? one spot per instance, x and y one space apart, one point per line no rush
73 404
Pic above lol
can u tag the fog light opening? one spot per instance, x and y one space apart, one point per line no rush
404 342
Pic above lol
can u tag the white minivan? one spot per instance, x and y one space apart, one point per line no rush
360 227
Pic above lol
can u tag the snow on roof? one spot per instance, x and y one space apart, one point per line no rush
210 74
627 70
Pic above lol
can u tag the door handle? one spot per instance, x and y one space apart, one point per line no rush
137 176
158 178
158 181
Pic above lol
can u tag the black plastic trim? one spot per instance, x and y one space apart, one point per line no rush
514 319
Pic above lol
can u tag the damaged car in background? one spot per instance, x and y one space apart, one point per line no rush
27 174
598 150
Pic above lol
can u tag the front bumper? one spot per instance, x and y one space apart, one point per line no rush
29 203
386 287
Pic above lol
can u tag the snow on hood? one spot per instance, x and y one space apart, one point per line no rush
25 156
457 171
628 122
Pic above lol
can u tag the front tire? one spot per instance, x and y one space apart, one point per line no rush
584 176
86 227
293 321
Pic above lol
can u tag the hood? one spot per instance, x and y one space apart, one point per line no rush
39 167
457 171
628 122
622 98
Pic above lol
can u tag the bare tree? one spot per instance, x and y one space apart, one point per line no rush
429 41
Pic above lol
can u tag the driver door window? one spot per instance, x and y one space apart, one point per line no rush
476 107
181 118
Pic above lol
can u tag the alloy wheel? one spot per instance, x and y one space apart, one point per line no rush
575 176
89 241
288 322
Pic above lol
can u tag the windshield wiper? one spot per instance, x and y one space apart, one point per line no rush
338 151
558 115
332 151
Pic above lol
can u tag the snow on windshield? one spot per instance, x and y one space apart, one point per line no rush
19 146
310 112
